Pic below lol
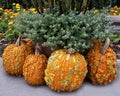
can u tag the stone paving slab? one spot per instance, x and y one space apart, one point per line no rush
116 29
114 19
116 22
16 86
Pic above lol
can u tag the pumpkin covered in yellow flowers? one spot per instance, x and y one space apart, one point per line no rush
14 56
66 70
102 63
34 67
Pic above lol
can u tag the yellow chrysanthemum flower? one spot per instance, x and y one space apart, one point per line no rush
10 29
18 6
11 23
15 14
112 11
0 18
5 13
11 17
13 4
35 12
116 6
1 8
114 14
6 18
24 10
96 11
32 9
44 9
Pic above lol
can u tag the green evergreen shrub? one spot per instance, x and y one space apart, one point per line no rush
68 31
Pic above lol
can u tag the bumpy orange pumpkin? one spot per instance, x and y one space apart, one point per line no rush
65 70
13 58
34 67
102 66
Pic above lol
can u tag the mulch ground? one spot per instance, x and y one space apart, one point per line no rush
4 42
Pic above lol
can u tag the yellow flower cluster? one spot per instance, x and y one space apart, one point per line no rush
11 23
33 10
0 18
7 11
11 13
1 9
115 11
97 11
13 4
17 5
8 15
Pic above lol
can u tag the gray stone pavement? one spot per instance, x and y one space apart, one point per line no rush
16 86
116 22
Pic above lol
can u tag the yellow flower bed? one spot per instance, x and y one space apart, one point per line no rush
7 17
115 11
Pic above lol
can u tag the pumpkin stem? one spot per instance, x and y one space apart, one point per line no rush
18 41
70 51
37 48
23 41
105 47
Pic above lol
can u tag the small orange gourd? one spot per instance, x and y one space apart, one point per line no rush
34 66
14 56
102 63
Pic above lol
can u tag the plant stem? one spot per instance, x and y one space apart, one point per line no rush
37 49
70 51
105 47
18 41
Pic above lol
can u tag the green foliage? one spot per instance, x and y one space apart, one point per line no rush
6 23
29 24
68 31
76 32
3 26
3 23
1 11
61 6
11 32
115 38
